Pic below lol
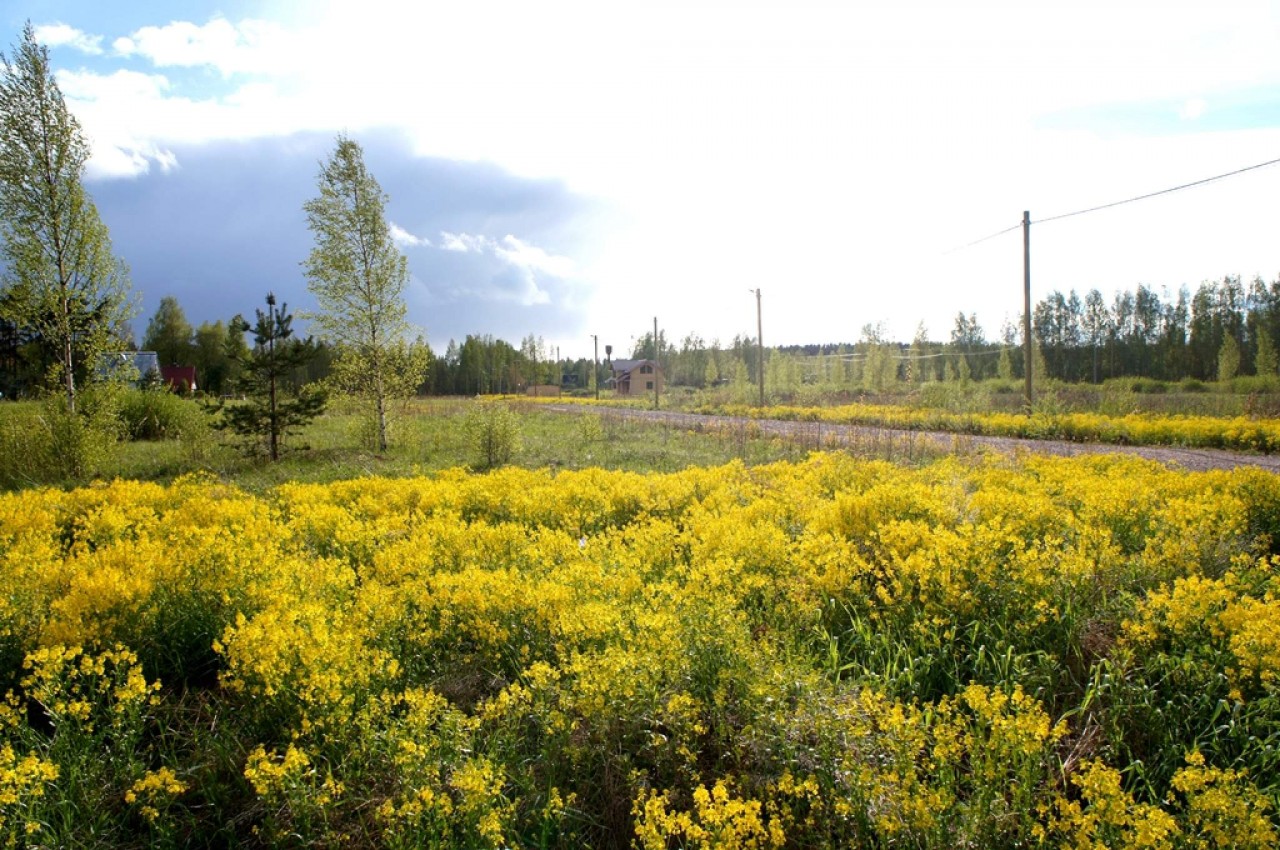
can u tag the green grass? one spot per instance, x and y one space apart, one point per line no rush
430 436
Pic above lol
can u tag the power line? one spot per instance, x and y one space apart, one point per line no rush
854 357
1154 194
1115 203
983 239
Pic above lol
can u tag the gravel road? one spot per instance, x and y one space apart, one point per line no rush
893 442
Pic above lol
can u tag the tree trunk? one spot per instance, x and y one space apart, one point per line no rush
382 414
68 361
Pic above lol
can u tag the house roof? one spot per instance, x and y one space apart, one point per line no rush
143 361
629 365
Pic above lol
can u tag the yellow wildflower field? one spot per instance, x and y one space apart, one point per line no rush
1236 433
994 652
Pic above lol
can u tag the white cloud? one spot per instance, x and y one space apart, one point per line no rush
405 239
527 256
247 47
60 35
128 158
527 264
118 86
120 149
1192 109
464 243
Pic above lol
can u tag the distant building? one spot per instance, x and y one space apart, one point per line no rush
635 377
133 366
142 367
180 379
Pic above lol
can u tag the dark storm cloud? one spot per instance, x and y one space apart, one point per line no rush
227 226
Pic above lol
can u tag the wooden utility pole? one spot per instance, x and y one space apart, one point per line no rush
595 364
760 347
1028 351
656 380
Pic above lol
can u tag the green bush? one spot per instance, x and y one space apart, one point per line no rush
157 414
1246 384
1191 385
493 434
47 443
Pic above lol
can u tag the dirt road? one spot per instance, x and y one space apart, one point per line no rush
891 442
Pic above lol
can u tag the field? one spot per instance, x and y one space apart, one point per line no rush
748 646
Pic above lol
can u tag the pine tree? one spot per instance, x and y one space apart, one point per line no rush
272 408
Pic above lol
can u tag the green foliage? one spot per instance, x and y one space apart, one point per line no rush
358 275
158 414
210 357
590 428
169 334
1255 384
1228 358
49 443
493 434
1265 359
62 282
272 408
1191 385
405 367
1004 366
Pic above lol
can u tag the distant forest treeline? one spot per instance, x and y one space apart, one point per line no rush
1222 329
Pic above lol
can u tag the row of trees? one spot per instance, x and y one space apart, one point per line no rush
1223 329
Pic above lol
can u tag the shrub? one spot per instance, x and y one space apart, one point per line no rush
49 443
493 434
1191 385
1246 384
157 414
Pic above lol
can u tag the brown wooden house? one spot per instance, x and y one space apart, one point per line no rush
636 377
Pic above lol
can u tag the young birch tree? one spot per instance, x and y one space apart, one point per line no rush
62 280
358 277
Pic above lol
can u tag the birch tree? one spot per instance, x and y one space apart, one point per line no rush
61 280
358 277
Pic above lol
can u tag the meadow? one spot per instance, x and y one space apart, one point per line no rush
721 641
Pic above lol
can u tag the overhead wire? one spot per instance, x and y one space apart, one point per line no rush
1118 203
983 239
852 357
1155 194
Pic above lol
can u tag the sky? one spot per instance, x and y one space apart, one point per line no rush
565 169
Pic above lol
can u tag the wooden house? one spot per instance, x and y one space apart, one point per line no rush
636 377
